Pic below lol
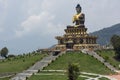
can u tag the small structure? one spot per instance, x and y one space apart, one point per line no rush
76 37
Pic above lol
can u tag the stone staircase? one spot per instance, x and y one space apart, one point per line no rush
101 59
36 67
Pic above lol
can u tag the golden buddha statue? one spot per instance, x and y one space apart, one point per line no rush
79 18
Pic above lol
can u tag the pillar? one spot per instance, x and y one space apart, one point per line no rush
84 41
59 42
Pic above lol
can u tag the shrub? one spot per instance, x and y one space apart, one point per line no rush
11 56
106 58
73 71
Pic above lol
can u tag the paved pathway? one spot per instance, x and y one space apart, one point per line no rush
95 55
37 66
83 74
117 77
6 74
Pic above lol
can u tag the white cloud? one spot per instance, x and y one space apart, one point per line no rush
3 2
42 23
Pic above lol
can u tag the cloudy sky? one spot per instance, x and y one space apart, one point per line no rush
26 25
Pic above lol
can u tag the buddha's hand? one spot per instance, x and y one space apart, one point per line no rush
74 19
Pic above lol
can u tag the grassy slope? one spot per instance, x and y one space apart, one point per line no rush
20 63
111 55
87 63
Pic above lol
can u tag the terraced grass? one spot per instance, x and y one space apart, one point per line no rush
111 57
19 63
86 62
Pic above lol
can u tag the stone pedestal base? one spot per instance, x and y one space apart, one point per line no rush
85 46
78 47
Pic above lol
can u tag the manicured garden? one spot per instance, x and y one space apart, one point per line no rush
54 75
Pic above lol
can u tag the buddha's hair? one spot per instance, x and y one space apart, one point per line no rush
78 6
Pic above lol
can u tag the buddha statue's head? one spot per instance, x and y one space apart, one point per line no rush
78 9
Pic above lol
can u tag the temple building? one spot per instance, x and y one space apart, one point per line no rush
76 36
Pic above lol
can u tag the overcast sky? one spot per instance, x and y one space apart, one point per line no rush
27 25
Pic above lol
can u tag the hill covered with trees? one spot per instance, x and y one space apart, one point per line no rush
105 34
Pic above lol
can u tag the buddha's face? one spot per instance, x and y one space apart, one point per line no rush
78 10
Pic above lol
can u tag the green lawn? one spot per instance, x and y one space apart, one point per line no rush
86 62
19 63
103 78
52 77
4 78
110 54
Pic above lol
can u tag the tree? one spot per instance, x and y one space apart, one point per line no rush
115 40
4 52
73 71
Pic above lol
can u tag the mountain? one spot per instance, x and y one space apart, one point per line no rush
105 34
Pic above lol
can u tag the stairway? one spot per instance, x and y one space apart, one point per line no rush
37 66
